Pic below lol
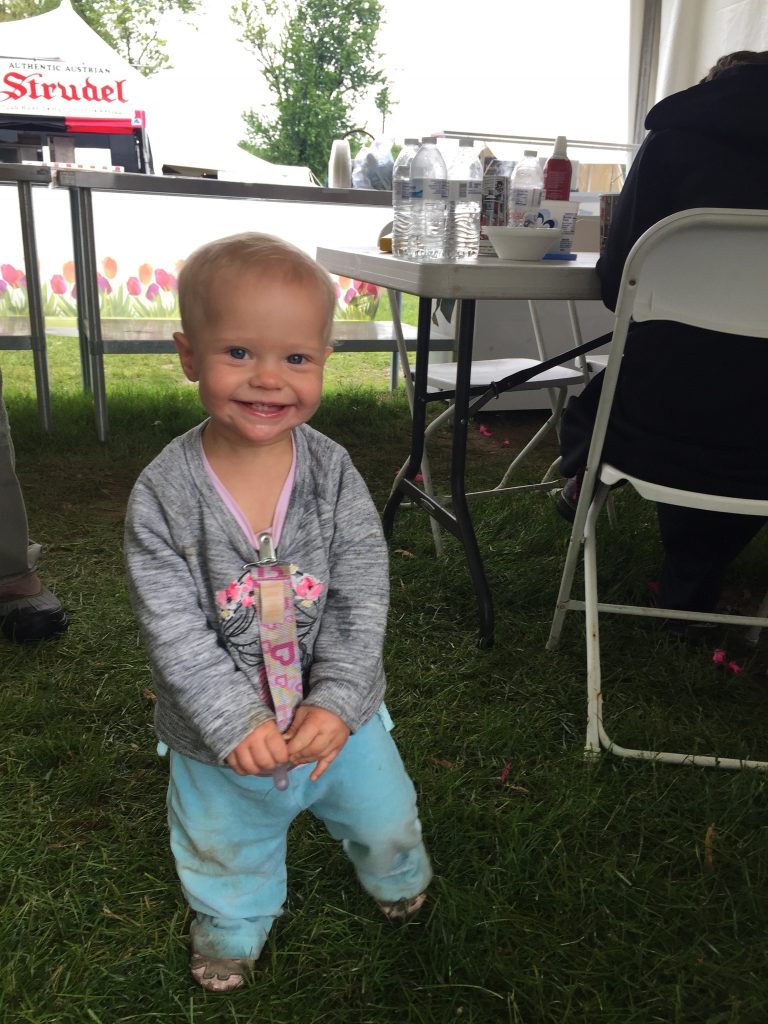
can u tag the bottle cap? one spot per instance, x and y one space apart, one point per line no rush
560 148
530 152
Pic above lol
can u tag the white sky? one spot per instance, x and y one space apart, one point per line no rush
516 68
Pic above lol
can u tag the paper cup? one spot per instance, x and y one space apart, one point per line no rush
558 213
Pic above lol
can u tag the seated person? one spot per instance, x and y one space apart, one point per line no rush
28 611
707 147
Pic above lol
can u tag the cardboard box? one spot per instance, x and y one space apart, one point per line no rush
495 200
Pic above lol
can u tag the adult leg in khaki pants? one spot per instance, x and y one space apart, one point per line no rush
28 610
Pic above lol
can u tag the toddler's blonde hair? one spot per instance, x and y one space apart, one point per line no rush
211 264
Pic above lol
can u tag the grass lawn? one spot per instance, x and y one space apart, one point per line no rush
570 892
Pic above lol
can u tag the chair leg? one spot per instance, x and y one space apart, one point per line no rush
753 633
552 422
594 683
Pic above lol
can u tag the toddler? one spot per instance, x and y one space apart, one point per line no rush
259 577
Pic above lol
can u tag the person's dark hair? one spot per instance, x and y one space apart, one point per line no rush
730 60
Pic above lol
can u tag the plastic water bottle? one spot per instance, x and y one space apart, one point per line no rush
526 188
429 192
557 172
465 192
401 197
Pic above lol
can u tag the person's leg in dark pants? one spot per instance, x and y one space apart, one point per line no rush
698 548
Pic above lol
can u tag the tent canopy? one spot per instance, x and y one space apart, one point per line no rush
55 65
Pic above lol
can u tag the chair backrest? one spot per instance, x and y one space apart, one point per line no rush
704 267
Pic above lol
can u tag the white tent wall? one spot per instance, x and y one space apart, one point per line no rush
673 43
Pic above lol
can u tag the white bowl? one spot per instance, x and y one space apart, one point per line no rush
522 243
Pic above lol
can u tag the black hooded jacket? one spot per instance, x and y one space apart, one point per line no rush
691 406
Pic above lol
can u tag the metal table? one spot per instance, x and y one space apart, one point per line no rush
24 176
480 279
82 184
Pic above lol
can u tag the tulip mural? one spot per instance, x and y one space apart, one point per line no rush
144 292
356 300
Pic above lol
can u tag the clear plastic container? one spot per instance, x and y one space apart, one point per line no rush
526 189
465 191
429 193
401 197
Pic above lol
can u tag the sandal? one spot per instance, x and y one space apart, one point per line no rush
399 910
220 974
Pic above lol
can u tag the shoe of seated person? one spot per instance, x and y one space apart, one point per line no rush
27 618
568 498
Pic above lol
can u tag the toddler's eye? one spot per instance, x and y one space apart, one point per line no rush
296 359
238 353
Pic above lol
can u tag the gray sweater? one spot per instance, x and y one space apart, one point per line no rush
184 555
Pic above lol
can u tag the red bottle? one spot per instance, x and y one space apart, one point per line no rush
557 172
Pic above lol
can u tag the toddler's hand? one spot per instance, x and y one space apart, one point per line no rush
315 735
260 751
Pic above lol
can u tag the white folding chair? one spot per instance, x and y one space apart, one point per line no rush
706 268
486 372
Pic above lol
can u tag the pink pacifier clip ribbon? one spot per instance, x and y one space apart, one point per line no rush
279 641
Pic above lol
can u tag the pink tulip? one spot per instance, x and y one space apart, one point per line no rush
58 285
103 283
152 292
133 284
10 274
161 276
3 286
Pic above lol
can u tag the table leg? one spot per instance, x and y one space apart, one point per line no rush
89 317
35 298
458 520
418 414
464 526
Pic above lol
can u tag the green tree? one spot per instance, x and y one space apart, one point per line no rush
131 27
318 60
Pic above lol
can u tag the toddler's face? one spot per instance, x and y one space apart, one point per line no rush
260 362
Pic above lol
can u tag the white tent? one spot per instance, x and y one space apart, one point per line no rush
55 65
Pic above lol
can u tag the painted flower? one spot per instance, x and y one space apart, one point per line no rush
109 266
3 286
68 270
152 292
145 273
59 285
308 588
11 275
162 277
104 285
179 265
350 295
133 284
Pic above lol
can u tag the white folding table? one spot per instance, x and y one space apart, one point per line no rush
484 278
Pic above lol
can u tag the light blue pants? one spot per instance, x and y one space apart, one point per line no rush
228 835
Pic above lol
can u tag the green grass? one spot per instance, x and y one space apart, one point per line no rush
617 892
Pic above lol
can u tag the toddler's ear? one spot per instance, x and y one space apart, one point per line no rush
186 356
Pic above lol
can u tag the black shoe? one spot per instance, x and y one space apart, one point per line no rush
568 498
28 619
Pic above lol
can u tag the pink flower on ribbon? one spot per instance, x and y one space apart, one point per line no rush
230 596
58 285
308 588
133 284
152 292
11 275
104 285
247 591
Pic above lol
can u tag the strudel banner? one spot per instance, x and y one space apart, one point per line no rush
57 88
